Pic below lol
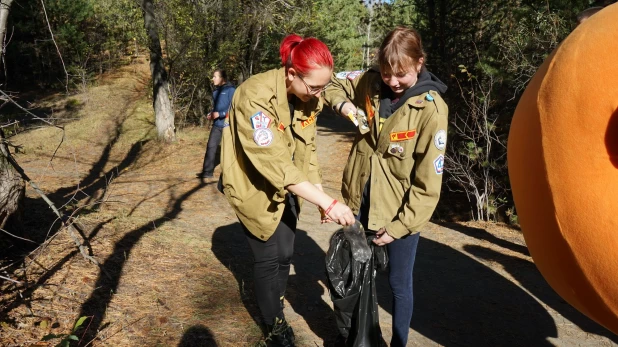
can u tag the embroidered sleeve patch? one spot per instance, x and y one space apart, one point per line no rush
342 75
351 75
403 135
439 140
263 137
260 120
438 164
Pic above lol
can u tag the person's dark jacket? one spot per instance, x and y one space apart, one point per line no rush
222 98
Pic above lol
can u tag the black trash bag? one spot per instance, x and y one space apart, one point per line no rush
352 289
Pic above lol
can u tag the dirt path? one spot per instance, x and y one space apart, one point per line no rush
178 267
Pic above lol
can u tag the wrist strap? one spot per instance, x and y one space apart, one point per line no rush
330 207
341 106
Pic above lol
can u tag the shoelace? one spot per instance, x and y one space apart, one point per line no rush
279 328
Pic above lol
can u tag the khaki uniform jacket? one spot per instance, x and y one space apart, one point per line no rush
263 150
404 160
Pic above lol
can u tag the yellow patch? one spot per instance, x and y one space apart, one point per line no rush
403 135
307 122
369 109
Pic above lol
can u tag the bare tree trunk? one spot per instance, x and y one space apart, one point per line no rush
12 190
5 6
164 117
12 187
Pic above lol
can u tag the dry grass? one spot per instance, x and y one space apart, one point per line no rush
178 267
133 194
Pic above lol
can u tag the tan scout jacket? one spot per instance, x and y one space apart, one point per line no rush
259 159
404 160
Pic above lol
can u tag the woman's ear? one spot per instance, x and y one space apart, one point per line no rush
290 74
419 65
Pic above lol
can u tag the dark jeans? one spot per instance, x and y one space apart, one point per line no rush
272 259
211 150
401 256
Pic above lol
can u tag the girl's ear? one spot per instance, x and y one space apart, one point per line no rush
290 74
419 65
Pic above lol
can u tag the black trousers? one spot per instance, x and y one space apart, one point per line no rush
211 149
272 259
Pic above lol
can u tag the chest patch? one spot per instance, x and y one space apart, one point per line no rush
307 122
403 135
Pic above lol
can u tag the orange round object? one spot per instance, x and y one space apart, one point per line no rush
563 167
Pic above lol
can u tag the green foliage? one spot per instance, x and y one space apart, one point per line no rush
485 51
89 34
66 338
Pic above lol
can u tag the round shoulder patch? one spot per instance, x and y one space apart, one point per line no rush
263 137
440 139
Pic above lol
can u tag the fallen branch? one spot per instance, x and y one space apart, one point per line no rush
62 218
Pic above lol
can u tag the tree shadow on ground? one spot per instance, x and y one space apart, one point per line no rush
198 336
304 292
40 227
107 284
306 288
232 250
459 301
482 234
526 273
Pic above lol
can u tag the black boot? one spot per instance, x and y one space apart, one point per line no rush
279 335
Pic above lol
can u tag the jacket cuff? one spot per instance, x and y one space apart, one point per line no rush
315 177
293 176
397 230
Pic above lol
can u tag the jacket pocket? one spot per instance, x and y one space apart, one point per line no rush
400 160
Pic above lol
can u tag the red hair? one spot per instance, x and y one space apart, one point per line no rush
304 55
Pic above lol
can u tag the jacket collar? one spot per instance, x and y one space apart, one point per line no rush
282 96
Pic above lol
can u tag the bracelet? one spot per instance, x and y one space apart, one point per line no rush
341 106
330 207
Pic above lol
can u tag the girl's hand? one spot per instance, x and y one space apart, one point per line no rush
383 238
346 108
340 213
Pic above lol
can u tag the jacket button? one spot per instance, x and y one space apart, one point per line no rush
402 155
274 218
261 236
363 174
289 144
312 138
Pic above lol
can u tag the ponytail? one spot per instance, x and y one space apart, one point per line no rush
304 54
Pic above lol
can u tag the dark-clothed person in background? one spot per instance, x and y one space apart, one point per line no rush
221 100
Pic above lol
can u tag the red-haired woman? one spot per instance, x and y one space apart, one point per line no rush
269 161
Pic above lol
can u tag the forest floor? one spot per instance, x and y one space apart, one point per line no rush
177 266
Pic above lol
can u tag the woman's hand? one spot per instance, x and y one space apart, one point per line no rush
341 214
383 238
324 218
346 109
